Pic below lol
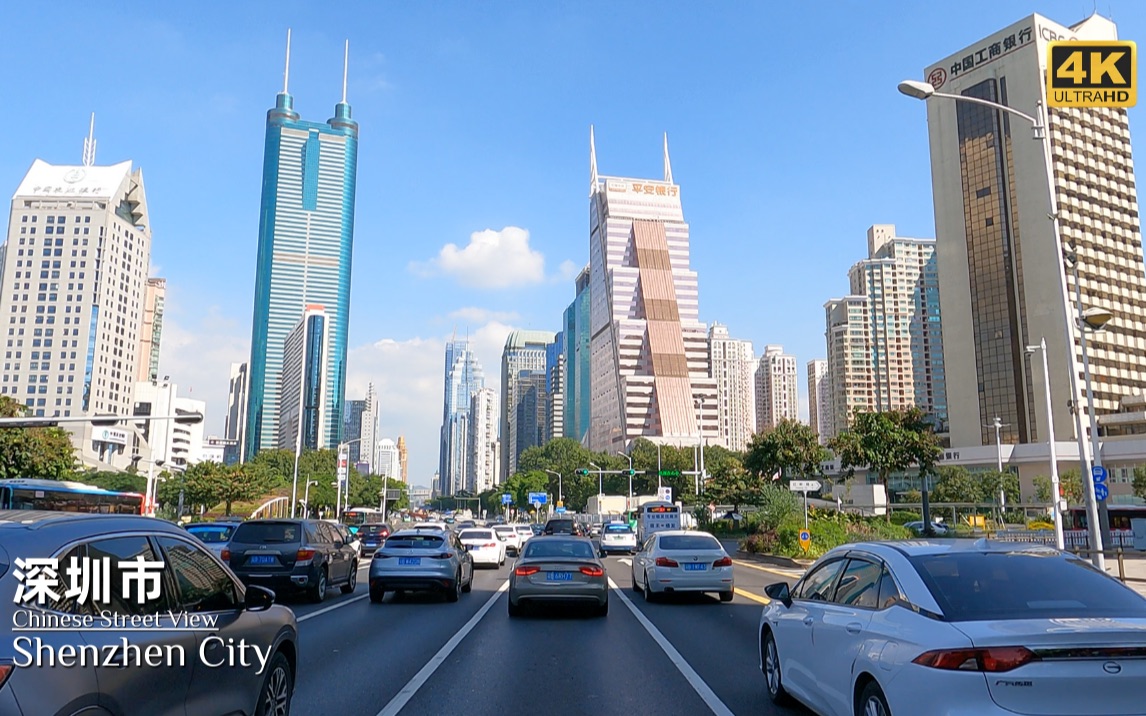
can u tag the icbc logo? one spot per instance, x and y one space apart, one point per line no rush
937 77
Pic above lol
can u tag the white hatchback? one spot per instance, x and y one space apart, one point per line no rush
484 546
675 561
959 627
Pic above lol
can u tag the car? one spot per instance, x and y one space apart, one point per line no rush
512 539
563 526
524 532
293 555
676 561
438 526
372 536
939 529
558 569
216 535
421 560
484 546
537 528
954 626
595 529
618 537
465 525
192 584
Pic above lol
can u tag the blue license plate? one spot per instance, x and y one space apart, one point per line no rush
409 561
559 576
263 559
695 567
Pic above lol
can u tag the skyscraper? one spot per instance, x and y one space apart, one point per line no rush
555 388
352 429
482 443
464 377
151 332
403 459
368 430
649 350
777 388
306 232
522 358
819 399
577 390
388 462
1004 283
304 387
733 368
848 340
236 421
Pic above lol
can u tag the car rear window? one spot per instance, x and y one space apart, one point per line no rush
267 532
475 534
977 586
560 525
559 548
371 529
422 541
618 529
506 528
212 533
675 542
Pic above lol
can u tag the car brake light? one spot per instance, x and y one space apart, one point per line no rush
304 554
592 571
526 571
225 555
444 555
491 544
5 672
666 562
723 562
994 659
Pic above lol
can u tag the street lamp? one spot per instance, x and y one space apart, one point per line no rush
699 403
629 502
923 90
306 498
1056 494
560 496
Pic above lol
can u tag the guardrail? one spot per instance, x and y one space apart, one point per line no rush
274 507
1072 539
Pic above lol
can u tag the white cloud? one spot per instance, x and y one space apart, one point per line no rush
492 259
567 271
472 314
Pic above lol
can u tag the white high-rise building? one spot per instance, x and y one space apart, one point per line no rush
648 348
386 459
522 365
848 339
236 421
368 431
173 443
733 365
303 384
1003 280
819 399
482 443
74 277
151 332
777 388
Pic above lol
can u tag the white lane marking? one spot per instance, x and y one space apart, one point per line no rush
626 560
702 689
331 608
402 697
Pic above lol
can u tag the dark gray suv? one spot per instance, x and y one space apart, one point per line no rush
293 555
164 646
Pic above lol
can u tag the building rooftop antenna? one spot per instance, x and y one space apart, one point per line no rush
345 65
286 72
90 144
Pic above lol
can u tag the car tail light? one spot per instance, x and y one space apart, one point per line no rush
994 659
666 562
723 562
593 571
5 672
491 544
526 571
304 555
225 555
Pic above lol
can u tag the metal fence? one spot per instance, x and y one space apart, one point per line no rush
1072 539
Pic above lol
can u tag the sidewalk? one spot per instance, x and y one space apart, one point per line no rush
1135 569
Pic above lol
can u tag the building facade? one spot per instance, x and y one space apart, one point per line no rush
306 233
389 464
1004 281
577 390
403 459
819 399
368 430
648 349
848 340
555 388
165 442
352 428
733 367
236 422
304 387
777 388
523 357
464 377
151 332
483 443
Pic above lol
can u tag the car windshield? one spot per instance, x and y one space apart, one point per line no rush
418 541
980 586
267 532
475 534
618 530
212 533
675 542
559 548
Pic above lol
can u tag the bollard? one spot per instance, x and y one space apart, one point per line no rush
1121 567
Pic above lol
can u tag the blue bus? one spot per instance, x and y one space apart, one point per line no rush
63 496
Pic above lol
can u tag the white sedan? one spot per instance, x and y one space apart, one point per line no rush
484 546
955 627
512 539
676 561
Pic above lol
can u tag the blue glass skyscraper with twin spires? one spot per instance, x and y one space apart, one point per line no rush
306 233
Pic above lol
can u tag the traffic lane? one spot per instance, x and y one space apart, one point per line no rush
301 605
557 661
719 640
354 659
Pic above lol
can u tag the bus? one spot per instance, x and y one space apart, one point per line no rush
1120 516
64 496
656 516
355 517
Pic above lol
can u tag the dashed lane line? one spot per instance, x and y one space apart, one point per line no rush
783 573
331 608
702 689
749 595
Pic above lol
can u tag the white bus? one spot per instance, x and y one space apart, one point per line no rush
656 516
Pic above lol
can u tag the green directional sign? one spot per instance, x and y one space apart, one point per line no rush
669 473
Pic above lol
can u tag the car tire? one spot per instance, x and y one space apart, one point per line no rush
872 702
514 609
773 679
636 587
650 595
456 592
468 586
602 610
318 592
377 595
352 580
278 688
727 596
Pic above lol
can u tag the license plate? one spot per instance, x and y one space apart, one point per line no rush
262 559
409 561
559 576
695 567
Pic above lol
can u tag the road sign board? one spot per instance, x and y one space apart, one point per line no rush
1101 492
668 473
538 498
804 486
1091 73
506 499
805 539
1098 472
664 493
560 510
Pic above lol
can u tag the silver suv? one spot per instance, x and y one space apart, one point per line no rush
421 560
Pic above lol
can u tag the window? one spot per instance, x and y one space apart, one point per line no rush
818 585
204 586
119 549
859 585
888 591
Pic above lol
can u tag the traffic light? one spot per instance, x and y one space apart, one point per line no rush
630 473
581 471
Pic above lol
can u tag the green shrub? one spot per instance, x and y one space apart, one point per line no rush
899 517
1040 525
776 505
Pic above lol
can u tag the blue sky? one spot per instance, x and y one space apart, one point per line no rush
787 136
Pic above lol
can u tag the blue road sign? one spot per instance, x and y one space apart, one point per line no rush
1098 472
538 498
1100 492
560 510
804 536
507 499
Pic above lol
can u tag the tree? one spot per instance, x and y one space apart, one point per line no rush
1139 484
791 448
44 453
955 484
237 483
736 488
991 483
115 481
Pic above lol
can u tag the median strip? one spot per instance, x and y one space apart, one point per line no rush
790 573
749 595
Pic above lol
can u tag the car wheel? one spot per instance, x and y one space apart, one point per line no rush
275 697
872 701
377 595
650 595
636 587
454 594
468 586
772 674
318 591
352 580
514 609
602 610
727 596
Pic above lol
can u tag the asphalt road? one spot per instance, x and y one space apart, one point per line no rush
420 655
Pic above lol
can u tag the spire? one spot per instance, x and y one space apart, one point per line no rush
286 72
592 163
90 144
668 167
345 65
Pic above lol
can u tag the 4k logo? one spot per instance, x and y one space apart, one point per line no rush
1083 73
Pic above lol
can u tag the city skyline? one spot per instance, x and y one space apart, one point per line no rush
748 190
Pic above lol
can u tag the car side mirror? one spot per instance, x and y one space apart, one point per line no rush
467 547
258 599
780 592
